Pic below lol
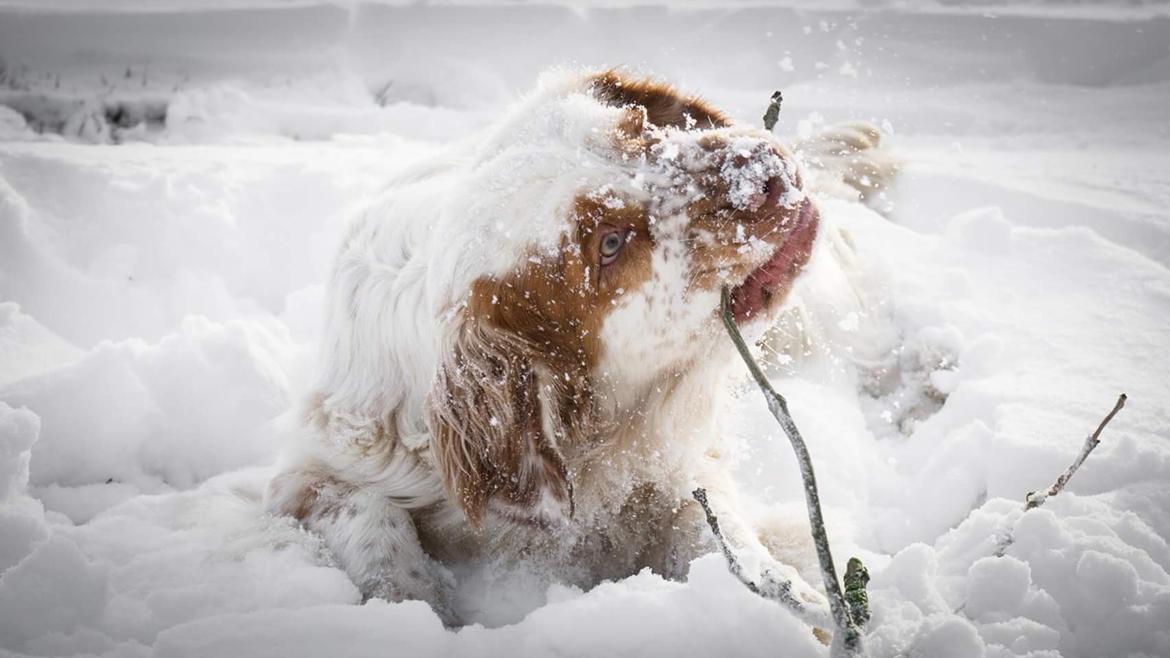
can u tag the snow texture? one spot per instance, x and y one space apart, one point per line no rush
174 181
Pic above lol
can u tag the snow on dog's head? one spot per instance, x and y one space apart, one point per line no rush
574 258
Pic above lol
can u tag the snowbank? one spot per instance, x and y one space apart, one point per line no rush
173 183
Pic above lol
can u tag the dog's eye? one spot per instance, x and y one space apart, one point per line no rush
611 246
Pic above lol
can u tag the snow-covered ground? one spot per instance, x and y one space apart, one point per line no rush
172 184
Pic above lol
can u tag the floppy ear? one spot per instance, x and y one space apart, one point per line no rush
488 431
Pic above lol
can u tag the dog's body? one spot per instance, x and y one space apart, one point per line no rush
503 377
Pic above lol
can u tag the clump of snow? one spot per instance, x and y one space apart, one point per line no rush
27 347
53 590
19 431
161 270
22 519
13 125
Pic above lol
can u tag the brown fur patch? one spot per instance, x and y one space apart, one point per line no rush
558 303
488 435
665 106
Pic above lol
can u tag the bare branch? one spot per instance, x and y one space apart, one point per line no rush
772 115
733 564
1035 499
849 635
772 587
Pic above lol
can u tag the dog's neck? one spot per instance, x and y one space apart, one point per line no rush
664 435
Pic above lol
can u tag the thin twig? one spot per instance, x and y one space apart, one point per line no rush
774 588
847 629
733 564
1035 499
772 114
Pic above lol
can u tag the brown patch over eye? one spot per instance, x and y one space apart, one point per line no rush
556 303
618 232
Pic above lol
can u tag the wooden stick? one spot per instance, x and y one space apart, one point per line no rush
1035 499
773 587
848 635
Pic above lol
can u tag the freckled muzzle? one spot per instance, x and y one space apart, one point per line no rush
750 223
760 178
765 188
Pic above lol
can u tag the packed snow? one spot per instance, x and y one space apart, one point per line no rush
173 185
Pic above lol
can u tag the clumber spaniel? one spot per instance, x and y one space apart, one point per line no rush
523 358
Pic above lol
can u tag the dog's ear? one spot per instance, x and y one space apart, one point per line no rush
490 436
664 106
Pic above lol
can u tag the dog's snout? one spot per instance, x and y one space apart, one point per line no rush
771 193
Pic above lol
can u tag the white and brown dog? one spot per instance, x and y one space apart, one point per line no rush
523 355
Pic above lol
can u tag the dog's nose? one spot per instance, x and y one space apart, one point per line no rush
760 176
775 189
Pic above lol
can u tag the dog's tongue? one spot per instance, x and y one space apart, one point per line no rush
775 276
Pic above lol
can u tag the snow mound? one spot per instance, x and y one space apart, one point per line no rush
195 404
28 348
1072 583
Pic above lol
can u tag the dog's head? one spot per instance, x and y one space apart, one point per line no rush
607 213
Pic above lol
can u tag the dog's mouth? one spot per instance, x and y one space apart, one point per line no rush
768 284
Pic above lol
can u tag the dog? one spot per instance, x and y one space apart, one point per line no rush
523 356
